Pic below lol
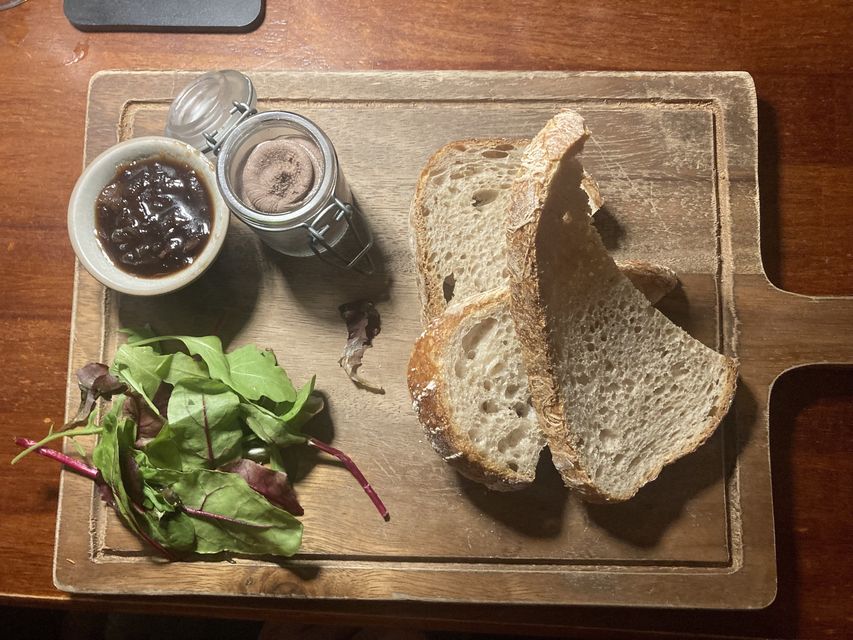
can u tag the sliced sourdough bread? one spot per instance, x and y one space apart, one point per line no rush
620 391
458 217
469 386
469 391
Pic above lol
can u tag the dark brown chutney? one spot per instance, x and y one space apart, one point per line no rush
154 217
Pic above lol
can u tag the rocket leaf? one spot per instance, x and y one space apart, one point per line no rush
185 367
142 368
255 374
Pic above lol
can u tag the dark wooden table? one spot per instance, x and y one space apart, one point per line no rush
801 56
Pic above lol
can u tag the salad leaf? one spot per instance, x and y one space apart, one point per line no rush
228 515
270 483
142 368
115 440
208 348
173 530
161 515
255 374
363 325
304 407
95 381
179 449
149 421
269 427
185 367
163 451
204 423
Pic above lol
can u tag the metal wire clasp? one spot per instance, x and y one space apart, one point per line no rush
215 139
336 212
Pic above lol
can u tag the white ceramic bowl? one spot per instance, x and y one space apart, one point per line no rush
81 215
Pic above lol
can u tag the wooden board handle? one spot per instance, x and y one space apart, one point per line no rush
791 330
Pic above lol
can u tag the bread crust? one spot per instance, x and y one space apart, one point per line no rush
562 138
653 280
429 280
430 400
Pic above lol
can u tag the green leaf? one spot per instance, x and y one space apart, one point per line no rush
142 368
254 525
174 530
269 427
249 371
163 450
185 367
299 406
204 423
138 334
208 348
163 520
117 436
277 460
255 375
104 455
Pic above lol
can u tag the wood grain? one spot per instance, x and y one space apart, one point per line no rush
799 54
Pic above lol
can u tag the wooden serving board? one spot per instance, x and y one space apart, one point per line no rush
676 159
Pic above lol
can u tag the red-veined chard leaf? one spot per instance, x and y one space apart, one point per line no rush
204 423
228 515
271 484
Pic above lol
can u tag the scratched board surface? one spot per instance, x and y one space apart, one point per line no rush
674 155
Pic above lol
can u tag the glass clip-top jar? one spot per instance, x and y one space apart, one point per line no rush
277 171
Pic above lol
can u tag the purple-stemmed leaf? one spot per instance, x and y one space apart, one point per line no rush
356 473
204 423
228 515
75 465
271 484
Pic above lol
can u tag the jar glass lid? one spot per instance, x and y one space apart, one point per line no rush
210 104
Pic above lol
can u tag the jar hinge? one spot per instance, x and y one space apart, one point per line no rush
321 224
217 138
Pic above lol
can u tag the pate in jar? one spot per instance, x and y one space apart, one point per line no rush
277 171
